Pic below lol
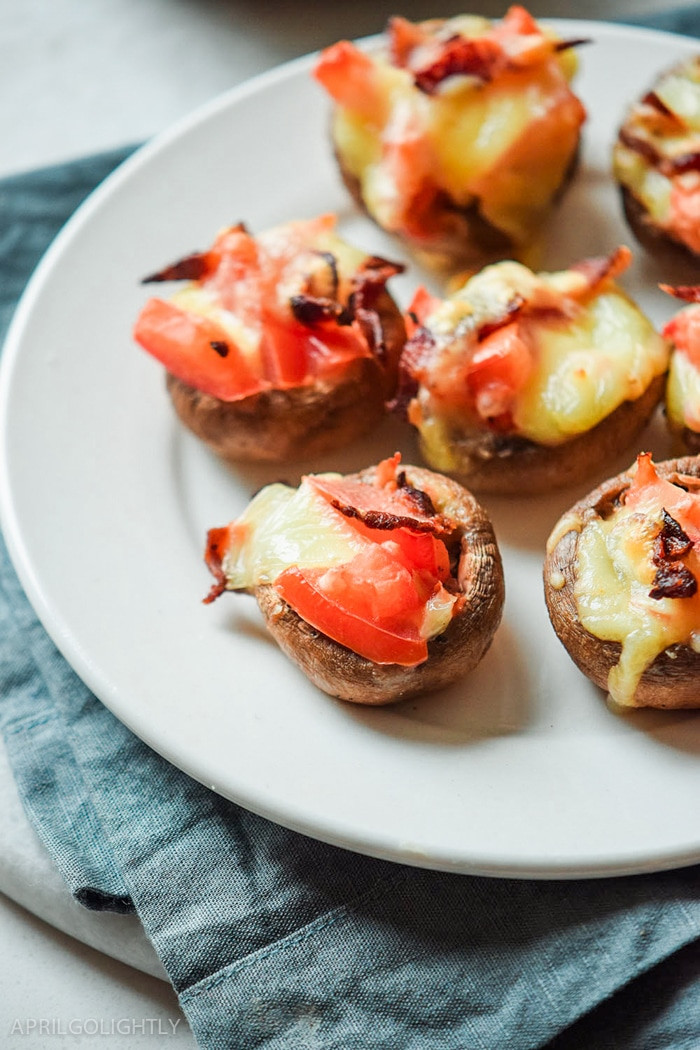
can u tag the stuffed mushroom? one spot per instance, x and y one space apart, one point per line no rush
656 161
621 584
459 134
279 346
379 585
683 387
522 382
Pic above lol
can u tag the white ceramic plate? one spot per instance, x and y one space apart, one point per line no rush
519 770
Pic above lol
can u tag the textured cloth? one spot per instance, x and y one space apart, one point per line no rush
275 941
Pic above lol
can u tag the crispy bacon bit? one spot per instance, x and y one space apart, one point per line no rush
565 45
679 165
221 346
416 351
641 146
310 310
668 166
690 293
380 519
674 580
192 268
369 283
653 100
217 544
377 270
421 499
672 542
604 268
332 264
511 311
481 57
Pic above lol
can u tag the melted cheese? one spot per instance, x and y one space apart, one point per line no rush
679 91
683 393
281 527
284 527
506 142
586 368
586 362
646 184
306 271
614 573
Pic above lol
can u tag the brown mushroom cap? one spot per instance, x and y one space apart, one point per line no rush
650 235
278 426
507 465
673 679
342 673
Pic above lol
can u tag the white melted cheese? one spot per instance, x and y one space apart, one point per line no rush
679 91
587 367
283 526
683 392
586 362
475 143
614 574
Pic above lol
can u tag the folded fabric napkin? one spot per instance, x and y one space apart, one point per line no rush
273 940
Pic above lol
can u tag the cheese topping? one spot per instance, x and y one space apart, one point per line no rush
284 526
617 564
303 271
503 140
574 354
652 157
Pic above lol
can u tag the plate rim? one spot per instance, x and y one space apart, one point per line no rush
53 623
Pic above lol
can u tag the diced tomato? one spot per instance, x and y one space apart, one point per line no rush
498 369
196 350
409 164
253 281
518 22
359 605
404 36
350 78
422 306
683 330
685 211
365 497
418 551
648 492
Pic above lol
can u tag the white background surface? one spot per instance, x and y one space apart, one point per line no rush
76 77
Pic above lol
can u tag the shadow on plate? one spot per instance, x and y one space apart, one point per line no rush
679 730
494 700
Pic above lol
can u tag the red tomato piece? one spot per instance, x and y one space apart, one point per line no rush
422 306
338 602
249 279
418 551
350 78
498 369
196 350
684 332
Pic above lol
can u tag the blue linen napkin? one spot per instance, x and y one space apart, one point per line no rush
274 941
